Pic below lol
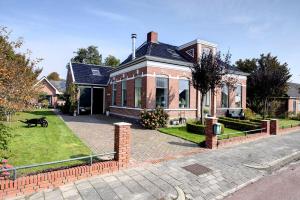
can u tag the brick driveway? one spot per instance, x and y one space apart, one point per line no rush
97 132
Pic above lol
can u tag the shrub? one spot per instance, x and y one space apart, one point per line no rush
195 127
249 114
154 119
238 125
5 135
254 122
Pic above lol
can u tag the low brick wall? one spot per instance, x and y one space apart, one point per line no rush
33 183
212 142
241 139
288 130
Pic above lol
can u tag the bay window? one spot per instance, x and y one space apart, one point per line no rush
138 93
225 96
114 93
162 92
238 96
124 93
184 94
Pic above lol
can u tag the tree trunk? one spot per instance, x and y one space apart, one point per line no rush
265 108
201 108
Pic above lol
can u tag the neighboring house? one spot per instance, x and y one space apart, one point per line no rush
293 98
157 74
52 89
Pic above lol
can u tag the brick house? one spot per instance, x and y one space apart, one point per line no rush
52 89
158 74
290 104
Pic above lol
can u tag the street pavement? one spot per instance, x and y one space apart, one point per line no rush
282 185
224 171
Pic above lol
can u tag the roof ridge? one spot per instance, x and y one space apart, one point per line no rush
91 64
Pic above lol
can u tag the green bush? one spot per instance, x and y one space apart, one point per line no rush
194 127
254 122
239 125
249 114
5 135
154 119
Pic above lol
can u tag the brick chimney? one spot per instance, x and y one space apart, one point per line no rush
152 37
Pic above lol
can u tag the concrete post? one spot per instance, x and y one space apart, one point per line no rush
211 139
122 143
274 127
265 124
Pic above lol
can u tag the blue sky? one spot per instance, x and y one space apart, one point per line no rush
53 30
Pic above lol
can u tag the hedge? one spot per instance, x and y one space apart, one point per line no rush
256 122
195 128
241 126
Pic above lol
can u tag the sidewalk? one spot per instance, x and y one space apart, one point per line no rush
227 172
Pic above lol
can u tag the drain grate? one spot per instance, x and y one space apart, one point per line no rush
197 169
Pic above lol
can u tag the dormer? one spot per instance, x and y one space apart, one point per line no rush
194 49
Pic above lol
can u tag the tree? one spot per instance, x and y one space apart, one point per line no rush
207 74
247 65
88 55
18 76
268 79
54 76
111 61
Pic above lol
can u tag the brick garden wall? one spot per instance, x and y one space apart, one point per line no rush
33 183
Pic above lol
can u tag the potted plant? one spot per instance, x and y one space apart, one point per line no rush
182 103
107 112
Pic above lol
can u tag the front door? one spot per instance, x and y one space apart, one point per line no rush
98 106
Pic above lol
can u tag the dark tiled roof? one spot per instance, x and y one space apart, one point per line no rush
159 49
294 90
60 85
83 74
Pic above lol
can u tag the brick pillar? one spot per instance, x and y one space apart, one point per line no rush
274 127
210 138
265 124
122 143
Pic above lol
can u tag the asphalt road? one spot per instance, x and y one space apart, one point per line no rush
282 185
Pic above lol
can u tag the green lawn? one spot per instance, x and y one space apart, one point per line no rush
284 123
39 145
181 132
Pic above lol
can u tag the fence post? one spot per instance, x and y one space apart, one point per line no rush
274 127
211 139
265 124
122 143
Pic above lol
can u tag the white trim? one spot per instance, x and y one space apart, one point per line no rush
180 109
229 108
72 73
151 64
124 107
198 41
128 69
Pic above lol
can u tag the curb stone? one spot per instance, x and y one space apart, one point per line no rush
277 164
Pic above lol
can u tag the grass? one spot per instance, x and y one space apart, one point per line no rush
288 123
38 145
181 132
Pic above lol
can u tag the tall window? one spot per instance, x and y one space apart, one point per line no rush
138 92
238 96
162 92
124 93
294 106
225 96
207 99
184 94
114 93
